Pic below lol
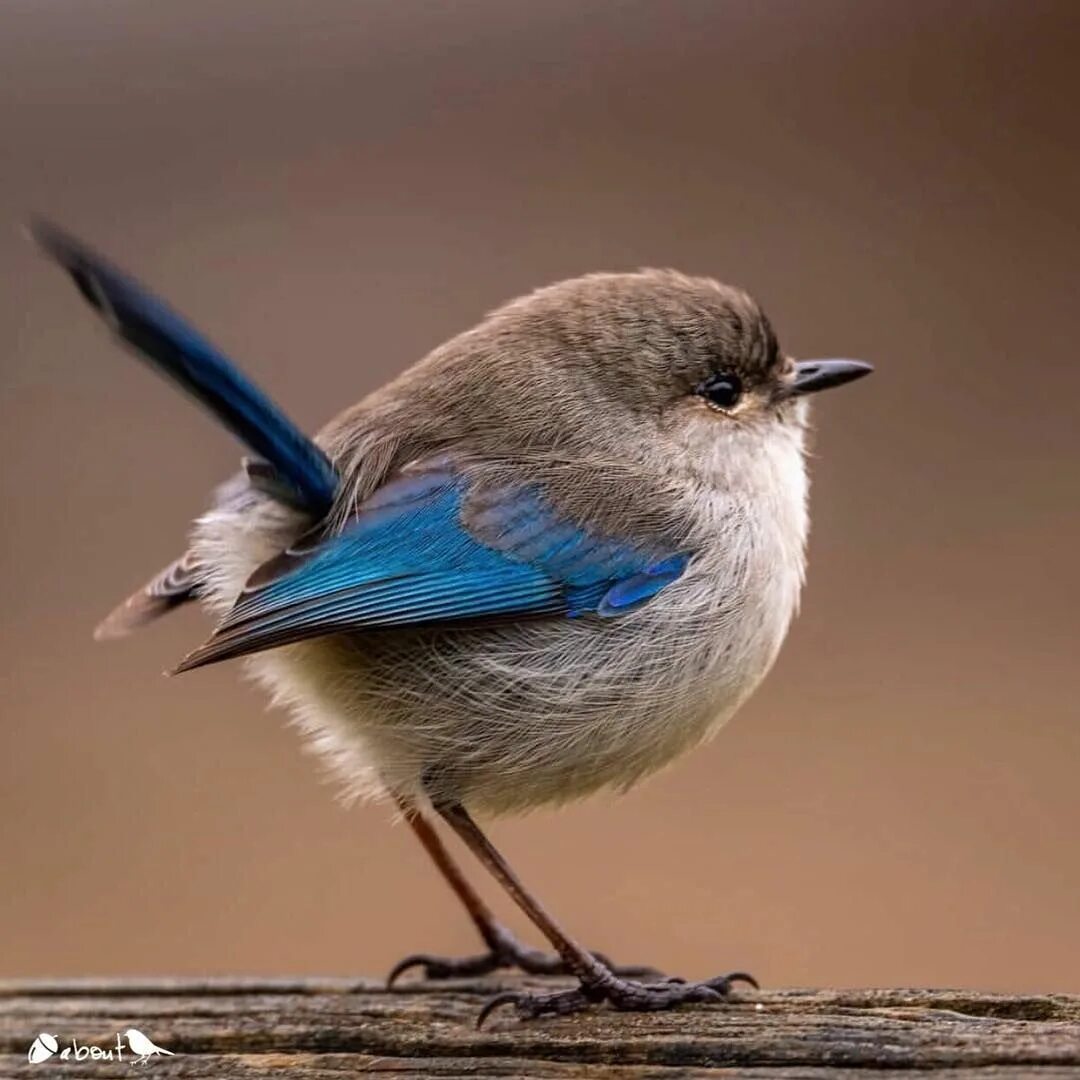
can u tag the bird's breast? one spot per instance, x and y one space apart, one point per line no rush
543 711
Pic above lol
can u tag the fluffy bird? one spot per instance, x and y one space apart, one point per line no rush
554 554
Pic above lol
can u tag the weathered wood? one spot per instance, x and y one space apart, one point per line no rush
316 1028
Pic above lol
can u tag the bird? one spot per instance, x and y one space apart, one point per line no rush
143 1046
544 561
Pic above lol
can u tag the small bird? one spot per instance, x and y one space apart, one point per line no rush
553 555
144 1047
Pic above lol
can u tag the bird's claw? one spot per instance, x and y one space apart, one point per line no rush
440 967
531 1006
622 994
505 951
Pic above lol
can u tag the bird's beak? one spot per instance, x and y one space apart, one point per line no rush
814 375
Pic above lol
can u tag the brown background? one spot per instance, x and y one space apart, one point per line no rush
331 189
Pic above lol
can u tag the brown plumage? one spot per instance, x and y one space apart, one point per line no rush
175 585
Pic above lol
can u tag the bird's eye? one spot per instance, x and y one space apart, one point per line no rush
722 391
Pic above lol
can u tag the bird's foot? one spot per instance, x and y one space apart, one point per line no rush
504 951
623 994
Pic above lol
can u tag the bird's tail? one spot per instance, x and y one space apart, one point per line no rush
178 583
288 464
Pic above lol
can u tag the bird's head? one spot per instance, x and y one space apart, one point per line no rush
696 358
680 373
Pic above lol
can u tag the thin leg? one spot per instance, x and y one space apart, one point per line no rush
596 982
478 911
579 961
504 950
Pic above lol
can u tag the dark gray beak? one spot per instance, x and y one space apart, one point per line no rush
814 375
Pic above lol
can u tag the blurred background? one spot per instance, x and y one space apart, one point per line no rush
332 189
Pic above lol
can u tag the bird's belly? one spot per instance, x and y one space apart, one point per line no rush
514 717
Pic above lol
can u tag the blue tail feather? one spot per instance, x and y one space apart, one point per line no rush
160 336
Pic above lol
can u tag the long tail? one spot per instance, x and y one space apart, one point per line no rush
291 466
160 336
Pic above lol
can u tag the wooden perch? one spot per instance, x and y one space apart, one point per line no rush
315 1028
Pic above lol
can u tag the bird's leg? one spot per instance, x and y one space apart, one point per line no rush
504 950
596 981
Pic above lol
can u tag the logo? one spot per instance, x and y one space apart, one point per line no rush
140 1049
42 1048
142 1046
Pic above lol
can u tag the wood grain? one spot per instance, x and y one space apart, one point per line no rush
314 1028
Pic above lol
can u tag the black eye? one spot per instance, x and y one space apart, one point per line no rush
722 390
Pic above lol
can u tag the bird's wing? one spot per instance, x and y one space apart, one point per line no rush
430 548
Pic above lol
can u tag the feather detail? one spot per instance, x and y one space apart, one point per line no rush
427 550
160 336
639 588
177 584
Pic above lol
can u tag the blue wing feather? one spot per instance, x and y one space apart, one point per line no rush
632 592
412 556
160 336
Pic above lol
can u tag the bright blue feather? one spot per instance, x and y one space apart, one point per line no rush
635 590
174 348
416 554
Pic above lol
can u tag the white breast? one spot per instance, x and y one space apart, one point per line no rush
552 710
